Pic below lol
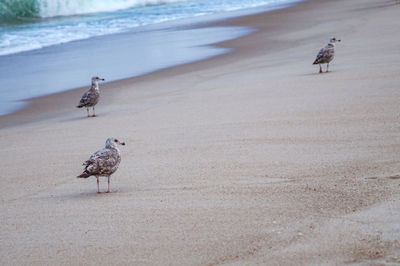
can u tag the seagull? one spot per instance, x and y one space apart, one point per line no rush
91 97
326 54
103 162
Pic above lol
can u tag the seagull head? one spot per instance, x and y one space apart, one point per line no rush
96 79
333 40
112 142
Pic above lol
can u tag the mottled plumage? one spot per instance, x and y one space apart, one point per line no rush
326 54
91 97
103 162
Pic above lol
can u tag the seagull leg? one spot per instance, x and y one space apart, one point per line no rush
87 109
327 67
98 185
93 112
108 191
320 68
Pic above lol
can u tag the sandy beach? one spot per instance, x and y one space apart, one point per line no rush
247 158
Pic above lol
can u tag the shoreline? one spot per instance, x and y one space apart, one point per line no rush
64 67
37 108
250 157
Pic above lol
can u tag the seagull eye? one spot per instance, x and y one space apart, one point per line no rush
115 140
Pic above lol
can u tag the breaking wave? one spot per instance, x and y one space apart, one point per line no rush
33 24
27 10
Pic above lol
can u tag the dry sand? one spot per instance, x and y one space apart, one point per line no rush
244 159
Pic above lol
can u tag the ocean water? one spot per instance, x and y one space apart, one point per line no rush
48 46
31 24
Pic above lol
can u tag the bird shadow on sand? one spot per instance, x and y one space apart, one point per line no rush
317 73
80 118
90 194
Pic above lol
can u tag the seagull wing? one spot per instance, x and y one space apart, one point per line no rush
324 55
88 98
102 162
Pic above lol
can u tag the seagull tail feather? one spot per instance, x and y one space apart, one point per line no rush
84 175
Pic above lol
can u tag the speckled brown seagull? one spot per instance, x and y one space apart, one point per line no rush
326 54
91 97
103 162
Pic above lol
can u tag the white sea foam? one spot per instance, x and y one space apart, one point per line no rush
102 17
53 8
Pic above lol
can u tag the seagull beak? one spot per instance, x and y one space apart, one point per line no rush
122 143
337 40
103 79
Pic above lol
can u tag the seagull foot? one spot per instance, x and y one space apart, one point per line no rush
104 192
